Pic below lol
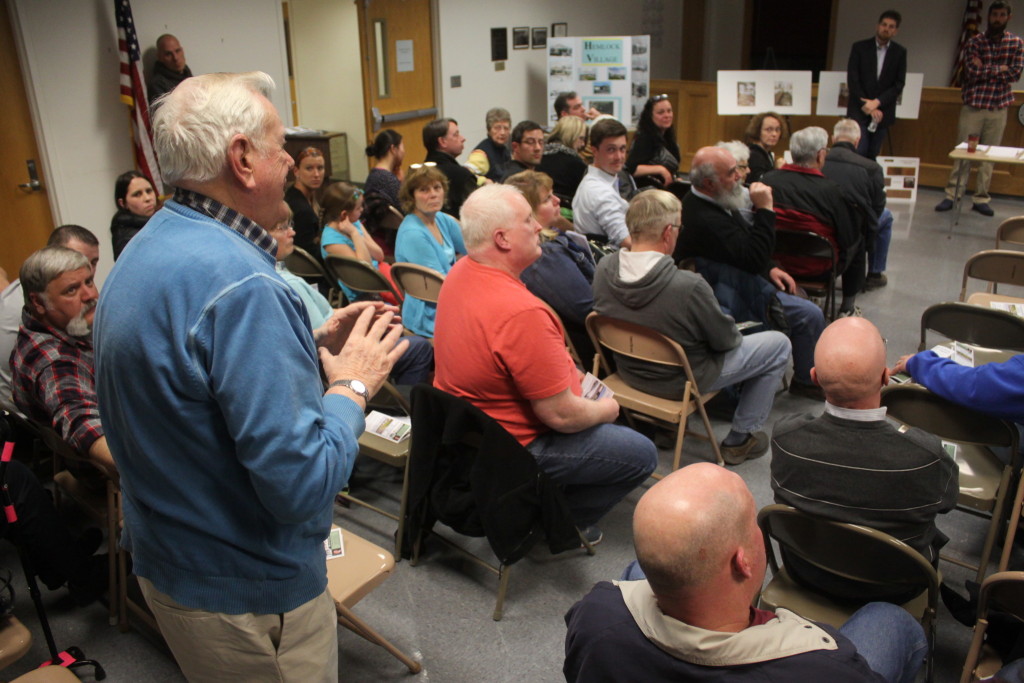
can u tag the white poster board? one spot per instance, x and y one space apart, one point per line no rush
900 176
610 73
750 92
833 95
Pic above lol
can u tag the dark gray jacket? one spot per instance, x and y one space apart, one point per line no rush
858 177
680 305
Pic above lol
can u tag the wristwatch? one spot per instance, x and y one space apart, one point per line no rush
353 384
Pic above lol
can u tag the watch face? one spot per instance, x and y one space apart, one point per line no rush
358 387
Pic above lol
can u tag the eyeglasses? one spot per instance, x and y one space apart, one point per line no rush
659 98
282 227
425 164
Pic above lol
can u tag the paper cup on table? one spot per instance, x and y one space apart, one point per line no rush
972 143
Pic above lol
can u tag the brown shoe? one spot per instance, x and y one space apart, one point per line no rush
755 446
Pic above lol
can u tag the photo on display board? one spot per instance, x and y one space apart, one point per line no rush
560 50
783 94
561 70
639 90
746 93
616 73
588 74
844 96
605 106
603 88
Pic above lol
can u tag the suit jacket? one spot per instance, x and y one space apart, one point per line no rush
461 181
862 80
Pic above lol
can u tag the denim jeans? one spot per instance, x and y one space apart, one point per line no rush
596 467
757 365
806 323
891 640
880 255
414 366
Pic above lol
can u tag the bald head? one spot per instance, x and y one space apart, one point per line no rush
688 526
849 363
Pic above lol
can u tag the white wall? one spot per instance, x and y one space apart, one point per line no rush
465 50
70 62
328 77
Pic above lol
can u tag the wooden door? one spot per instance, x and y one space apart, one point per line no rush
26 220
398 81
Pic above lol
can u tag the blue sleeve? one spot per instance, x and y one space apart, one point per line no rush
297 445
994 388
556 279
454 231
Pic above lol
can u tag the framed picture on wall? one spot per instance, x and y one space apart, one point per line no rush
560 30
521 38
539 37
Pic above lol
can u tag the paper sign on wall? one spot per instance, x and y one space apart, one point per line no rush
403 56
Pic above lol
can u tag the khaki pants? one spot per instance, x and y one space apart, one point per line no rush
988 125
300 645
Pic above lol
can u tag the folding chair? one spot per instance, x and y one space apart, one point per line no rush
996 266
984 480
794 247
1010 233
971 324
351 577
417 281
1003 592
642 343
850 551
463 462
390 453
569 345
359 276
300 262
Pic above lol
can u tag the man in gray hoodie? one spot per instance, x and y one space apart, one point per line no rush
642 285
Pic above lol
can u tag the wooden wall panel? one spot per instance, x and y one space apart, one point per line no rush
929 138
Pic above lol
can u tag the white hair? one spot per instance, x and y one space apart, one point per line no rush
846 129
194 123
737 149
805 144
486 210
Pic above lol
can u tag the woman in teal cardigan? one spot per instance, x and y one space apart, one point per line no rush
427 237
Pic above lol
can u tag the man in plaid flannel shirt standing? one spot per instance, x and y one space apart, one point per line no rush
993 62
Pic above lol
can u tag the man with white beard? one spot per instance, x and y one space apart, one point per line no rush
714 230
52 363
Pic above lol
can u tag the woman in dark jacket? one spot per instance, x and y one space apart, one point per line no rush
303 198
654 151
763 133
136 202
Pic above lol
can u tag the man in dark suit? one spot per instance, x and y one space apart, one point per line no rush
444 143
875 76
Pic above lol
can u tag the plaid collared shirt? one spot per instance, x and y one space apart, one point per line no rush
246 227
985 87
53 382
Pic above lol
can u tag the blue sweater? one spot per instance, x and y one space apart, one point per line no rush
230 455
993 388
415 244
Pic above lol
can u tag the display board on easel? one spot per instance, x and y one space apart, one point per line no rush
610 73
751 92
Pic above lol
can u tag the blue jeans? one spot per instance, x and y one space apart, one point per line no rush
415 365
870 143
757 365
880 255
891 640
596 467
806 323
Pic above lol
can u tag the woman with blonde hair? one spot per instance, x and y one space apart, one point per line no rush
563 274
562 160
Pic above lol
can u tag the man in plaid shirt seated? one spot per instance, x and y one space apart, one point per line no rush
52 363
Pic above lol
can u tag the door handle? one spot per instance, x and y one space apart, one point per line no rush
379 119
33 184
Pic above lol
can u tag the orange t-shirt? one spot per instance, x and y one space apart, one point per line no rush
497 346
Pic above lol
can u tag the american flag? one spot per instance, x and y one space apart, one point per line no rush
133 93
971 26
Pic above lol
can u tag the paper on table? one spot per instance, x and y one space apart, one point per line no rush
334 544
1002 152
1008 306
394 428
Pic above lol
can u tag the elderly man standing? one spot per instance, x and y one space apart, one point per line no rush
992 62
642 285
714 229
862 183
230 454
508 358
170 68
852 465
808 200
691 619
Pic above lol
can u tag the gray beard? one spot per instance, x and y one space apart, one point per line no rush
79 327
732 201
